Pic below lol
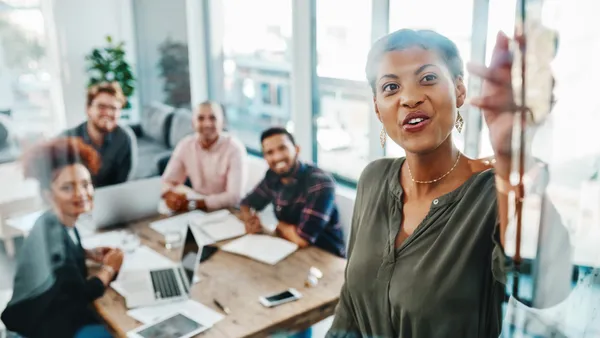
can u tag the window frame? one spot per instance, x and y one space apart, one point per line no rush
206 71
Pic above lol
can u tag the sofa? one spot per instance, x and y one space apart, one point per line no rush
9 148
161 127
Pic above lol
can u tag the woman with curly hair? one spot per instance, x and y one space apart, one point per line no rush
53 293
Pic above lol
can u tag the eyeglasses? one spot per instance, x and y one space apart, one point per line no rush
102 106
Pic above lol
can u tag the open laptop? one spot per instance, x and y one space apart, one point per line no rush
152 287
126 202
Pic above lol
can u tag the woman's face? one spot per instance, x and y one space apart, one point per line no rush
417 98
71 191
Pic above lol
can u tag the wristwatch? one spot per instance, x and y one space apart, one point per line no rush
109 269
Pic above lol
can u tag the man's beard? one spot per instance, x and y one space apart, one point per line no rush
292 169
105 129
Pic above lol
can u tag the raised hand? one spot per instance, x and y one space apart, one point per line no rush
497 98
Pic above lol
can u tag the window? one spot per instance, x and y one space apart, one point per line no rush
434 15
257 65
343 42
26 84
162 53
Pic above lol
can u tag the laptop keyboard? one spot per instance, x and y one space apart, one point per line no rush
165 283
183 278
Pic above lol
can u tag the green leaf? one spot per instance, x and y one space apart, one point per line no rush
109 63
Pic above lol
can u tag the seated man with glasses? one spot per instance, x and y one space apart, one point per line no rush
114 143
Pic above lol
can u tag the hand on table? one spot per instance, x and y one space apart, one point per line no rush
175 201
98 254
284 230
114 259
252 224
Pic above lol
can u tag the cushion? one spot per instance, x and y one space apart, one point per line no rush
3 135
155 121
5 132
181 126
147 151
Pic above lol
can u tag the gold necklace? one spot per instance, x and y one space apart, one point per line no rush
437 179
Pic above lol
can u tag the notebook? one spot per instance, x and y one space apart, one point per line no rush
262 248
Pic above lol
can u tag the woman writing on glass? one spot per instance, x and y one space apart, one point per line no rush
53 293
425 255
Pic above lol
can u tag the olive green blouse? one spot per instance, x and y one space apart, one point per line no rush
445 280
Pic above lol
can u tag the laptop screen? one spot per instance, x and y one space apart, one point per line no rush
189 255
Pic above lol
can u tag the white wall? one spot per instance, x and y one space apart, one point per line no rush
82 25
155 21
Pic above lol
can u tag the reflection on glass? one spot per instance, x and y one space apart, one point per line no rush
257 65
343 127
562 46
25 80
343 42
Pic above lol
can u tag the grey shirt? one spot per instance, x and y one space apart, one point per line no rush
115 155
445 280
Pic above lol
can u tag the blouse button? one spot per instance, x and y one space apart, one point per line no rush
435 201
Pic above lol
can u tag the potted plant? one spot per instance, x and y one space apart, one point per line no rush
175 71
108 64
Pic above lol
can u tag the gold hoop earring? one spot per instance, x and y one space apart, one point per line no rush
382 137
460 122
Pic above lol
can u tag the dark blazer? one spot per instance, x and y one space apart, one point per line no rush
61 302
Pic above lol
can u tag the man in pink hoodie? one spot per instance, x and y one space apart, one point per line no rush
214 161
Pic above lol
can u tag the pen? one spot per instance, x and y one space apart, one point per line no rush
223 308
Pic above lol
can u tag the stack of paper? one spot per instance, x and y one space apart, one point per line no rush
24 222
194 310
212 217
220 226
144 258
176 223
115 239
263 248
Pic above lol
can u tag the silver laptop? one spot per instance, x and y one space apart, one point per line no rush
151 287
126 202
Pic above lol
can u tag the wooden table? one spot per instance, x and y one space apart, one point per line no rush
237 282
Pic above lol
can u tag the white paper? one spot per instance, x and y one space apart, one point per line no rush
263 248
24 222
193 309
143 258
268 219
228 226
114 239
176 223
213 217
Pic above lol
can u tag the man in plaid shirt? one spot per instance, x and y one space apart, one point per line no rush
303 197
